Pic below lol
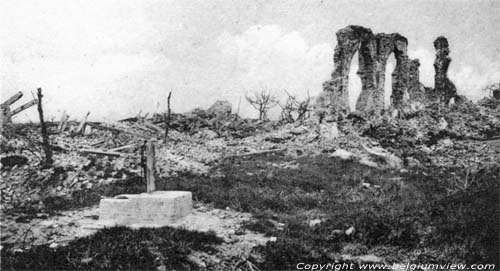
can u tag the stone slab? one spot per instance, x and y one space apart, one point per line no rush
156 209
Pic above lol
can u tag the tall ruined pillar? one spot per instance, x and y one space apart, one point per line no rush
373 61
348 42
368 58
414 89
400 74
443 87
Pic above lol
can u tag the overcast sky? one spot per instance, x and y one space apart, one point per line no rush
114 58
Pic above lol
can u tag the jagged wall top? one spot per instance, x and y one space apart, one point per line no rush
354 32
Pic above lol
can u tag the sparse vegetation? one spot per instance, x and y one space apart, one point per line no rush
294 110
262 101
403 212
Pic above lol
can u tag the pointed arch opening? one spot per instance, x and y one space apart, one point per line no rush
354 82
389 70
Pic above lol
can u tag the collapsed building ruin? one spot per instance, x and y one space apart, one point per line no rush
373 51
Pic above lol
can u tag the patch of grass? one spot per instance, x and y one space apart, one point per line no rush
116 248
396 210
469 220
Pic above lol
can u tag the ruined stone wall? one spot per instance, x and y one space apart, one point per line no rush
400 74
373 51
443 87
348 43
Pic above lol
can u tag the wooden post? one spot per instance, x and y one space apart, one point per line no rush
150 166
167 121
45 135
81 127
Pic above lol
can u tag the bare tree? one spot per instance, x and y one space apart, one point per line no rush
288 108
304 108
293 106
262 101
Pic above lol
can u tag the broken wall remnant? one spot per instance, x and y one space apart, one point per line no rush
443 87
348 42
373 52
400 74
416 90
373 56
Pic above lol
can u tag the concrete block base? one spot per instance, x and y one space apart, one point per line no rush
156 209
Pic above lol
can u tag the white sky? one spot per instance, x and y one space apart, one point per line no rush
114 58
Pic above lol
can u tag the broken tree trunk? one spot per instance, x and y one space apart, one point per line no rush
45 135
167 120
81 127
150 166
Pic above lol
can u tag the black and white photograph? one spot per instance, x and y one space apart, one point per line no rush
250 135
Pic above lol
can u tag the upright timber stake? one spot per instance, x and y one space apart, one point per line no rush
150 166
45 135
167 122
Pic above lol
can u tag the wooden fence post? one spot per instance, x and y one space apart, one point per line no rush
167 120
45 135
150 166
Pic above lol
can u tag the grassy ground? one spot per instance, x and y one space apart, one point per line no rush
418 216
117 248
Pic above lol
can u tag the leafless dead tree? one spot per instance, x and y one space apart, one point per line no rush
293 106
288 108
304 108
262 101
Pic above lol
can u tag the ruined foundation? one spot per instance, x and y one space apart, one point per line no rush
156 209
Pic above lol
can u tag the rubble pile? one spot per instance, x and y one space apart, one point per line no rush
28 187
462 121
218 119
